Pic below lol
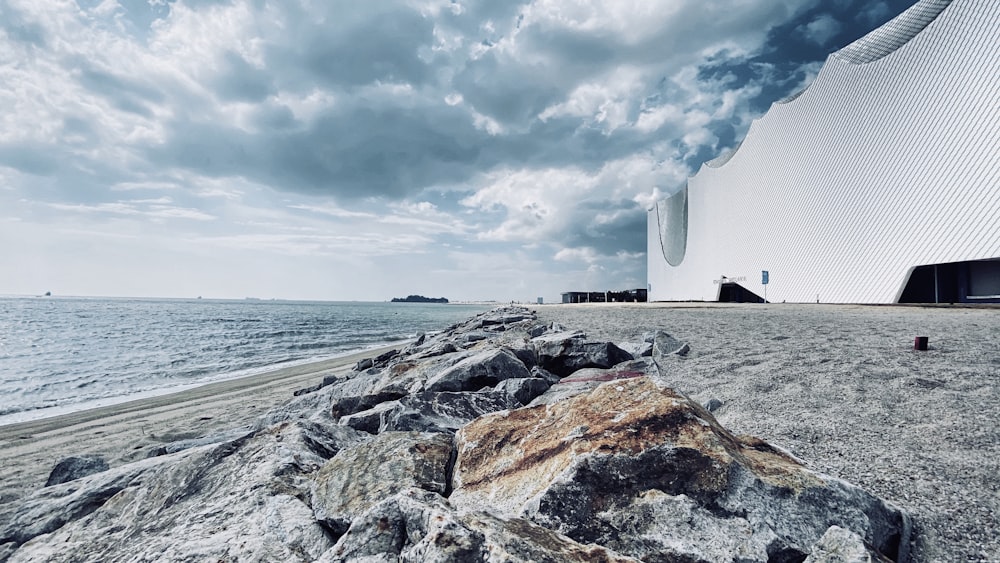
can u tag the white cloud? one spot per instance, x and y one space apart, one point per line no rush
822 29
305 130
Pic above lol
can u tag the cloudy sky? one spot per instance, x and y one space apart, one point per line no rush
349 150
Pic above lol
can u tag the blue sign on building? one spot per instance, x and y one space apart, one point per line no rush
763 277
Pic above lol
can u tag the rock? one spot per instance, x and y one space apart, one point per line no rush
841 546
382 360
417 525
317 406
649 473
49 509
410 375
241 500
713 405
542 373
587 379
564 353
369 420
665 345
359 477
441 412
364 364
438 349
485 368
345 406
72 468
523 389
181 445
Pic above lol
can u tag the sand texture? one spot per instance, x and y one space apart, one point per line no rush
127 431
842 388
838 386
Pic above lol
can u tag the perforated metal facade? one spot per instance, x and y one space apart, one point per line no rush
888 161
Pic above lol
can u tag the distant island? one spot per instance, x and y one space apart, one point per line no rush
419 299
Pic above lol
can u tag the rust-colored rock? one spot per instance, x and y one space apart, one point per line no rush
587 465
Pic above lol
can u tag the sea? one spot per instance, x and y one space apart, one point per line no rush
64 354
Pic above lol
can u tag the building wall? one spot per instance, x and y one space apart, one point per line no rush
889 160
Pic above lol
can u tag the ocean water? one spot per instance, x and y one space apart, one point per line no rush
58 355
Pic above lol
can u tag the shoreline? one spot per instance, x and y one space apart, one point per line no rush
122 431
149 394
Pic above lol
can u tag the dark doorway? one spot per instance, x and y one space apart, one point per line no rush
735 293
954 282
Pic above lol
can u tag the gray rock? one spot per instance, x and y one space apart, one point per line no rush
364 364
75 467
713 405
369 420
563 354
417 525
241 500
666 345
361 476
841 546
49 509
587 379
438 349
488 367
523 390
649 473
181 445
542 373
346 406
441 412
317 406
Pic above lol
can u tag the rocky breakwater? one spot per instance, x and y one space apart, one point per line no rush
500 439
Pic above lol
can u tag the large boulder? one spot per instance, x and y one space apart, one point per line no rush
567 352
587 379
484 369
245 499
441 412
75 467
523 390
360 477
649 473
418 525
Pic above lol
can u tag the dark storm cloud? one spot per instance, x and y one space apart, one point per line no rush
239 80
345 47
360 151
621 227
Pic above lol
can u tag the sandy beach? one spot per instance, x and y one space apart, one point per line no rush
841 387
126 431
838 386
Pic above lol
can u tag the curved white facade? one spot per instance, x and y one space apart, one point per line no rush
888 161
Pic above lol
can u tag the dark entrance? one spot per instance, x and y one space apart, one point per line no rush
954 282
735 293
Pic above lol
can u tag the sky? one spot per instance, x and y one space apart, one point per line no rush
348 150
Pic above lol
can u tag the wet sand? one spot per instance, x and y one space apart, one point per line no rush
126 431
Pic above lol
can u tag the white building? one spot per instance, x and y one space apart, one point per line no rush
879 183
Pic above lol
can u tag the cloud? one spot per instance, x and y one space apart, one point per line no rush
822 29
542 129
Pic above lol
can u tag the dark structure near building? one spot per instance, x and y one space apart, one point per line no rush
627 296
